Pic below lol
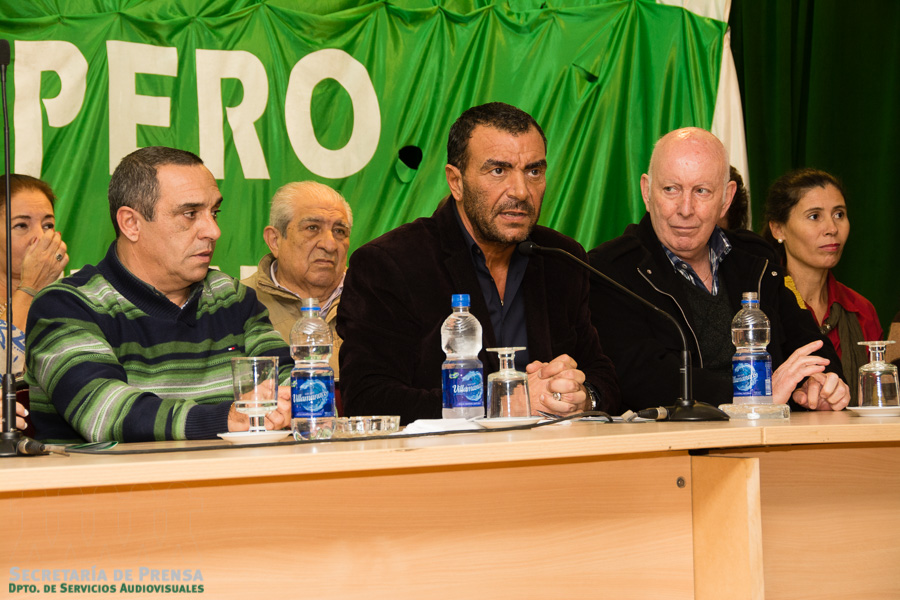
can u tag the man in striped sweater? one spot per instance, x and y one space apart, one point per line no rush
138 347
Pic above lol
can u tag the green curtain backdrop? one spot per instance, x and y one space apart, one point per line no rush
820 82
604 78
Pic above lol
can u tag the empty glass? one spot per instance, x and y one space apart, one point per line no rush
508 388
878 379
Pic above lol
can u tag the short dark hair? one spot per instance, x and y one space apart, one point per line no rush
19 183
134 182
786 192
494 114
737 212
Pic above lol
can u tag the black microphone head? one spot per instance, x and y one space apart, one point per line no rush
527 247
4 52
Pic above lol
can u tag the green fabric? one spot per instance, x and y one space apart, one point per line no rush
604 78
820 88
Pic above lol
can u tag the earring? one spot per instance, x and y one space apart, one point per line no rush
780 240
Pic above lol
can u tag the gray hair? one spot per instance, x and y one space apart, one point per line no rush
281 212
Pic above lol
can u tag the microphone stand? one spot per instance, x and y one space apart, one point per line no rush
686 408
12 442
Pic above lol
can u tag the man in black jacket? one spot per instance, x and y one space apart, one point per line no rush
398 287
679 260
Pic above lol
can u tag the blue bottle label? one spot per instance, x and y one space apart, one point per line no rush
752 375
312 395
462 387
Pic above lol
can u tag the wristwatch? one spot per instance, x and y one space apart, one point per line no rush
593 397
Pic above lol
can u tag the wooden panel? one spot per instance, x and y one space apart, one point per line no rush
831 521
544 529
728 548
475 448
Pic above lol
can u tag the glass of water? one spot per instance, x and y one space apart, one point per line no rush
255 388
508 388
878 379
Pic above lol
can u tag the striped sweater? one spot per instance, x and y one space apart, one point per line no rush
109 357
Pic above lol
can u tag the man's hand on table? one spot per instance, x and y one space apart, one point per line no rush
556 386
280 418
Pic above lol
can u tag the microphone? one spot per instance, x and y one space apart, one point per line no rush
686 408
4 52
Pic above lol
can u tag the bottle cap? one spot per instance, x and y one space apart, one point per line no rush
309 304
749 297
459 300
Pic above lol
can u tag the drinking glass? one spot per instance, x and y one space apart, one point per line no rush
255 388
508 388
878 379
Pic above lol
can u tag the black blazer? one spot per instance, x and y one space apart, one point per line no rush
646 347
397 294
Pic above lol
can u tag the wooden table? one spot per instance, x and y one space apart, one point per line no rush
804 509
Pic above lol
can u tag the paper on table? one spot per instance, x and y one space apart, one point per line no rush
436 425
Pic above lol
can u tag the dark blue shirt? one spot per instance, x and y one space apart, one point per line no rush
508 315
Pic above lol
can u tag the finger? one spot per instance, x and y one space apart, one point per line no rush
559 406
565 385
829 385
277 419
557 366
805 350
566 360
576 375
812 393
534 367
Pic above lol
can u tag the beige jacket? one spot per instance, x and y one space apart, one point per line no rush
284 307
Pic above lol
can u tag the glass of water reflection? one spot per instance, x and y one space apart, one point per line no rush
255 388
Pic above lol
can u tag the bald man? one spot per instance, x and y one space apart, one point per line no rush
682 262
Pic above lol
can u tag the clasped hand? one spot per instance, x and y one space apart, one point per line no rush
819 391
559 376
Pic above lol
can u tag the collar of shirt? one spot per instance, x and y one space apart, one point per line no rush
140 286
324 306
718 246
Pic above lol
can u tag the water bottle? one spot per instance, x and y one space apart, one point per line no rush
312 380
751 366
462 373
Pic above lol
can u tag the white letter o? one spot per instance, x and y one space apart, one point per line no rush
352 75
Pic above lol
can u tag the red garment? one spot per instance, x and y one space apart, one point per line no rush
852 302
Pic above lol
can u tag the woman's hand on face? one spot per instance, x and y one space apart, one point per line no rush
44 260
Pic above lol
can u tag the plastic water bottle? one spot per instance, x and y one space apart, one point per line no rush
462 372
312 380
751 366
